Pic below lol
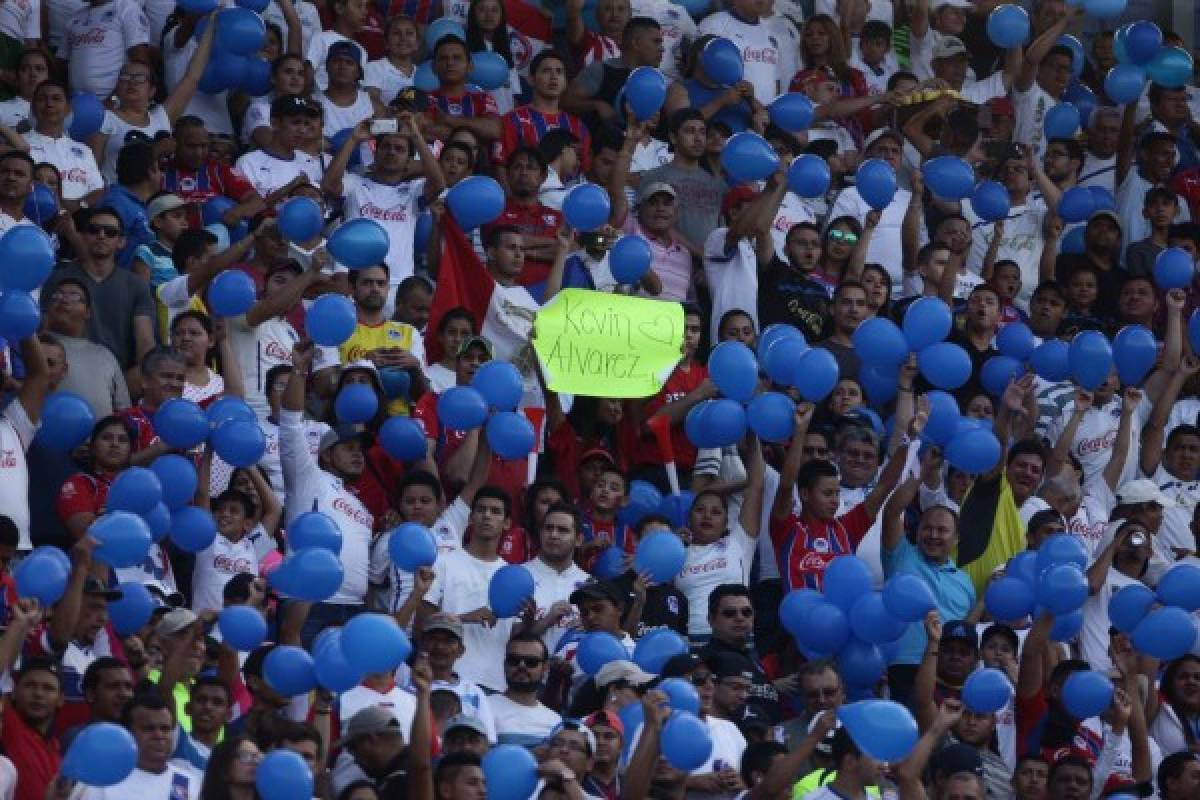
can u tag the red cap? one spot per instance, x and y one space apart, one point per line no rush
605 719
736 195
598 452
1002 105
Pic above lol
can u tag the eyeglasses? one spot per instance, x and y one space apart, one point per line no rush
111 231
849 237
69 297
701 678
529 662
136 79
737 612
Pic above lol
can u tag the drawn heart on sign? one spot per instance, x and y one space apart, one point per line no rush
661 329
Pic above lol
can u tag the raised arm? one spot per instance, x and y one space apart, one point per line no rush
750 517
896 462
185 90
281 301
1153 434
1172 354
914 220
37 378
893 512
781 508
1120 453
331 181
619 203
1062 446
1031 673
1038 49
1126 142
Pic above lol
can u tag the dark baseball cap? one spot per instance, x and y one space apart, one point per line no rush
604 590
955 758
289 105
344 49
730 665
957 630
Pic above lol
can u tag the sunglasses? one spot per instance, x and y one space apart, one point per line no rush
849 237
529 662
730 613
111 231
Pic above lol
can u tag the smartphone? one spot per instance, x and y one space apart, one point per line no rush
380 127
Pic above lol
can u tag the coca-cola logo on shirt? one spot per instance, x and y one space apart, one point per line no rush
361 517
711 566
75 175
373 211
1099 444
224 563
275 350
813 562
8 458
760 55
89 37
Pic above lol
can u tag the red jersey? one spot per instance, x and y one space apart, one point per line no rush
565 448
139 418
1186 184
678 386
804 545
525 126
532 219
36 757
374 487
83 493
213 179
468 104
598 47
370 36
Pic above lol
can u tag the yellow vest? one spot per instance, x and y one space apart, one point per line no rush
818 778
378 337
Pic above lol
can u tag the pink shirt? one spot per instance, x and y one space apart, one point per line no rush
672 263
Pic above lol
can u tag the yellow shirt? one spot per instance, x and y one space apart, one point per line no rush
367 338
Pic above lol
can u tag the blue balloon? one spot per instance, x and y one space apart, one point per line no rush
629 259
256 80
1008 599
1023 567
314 529
1143 40
1051 360
242 627
124 538
42 575
686 743
795 607
876 183
809 176
860 663
1174 269
610 563
825 630
660 554
1072 243
871 622
847 578
1129 605
67 421
1105 199
239 443
41 205
359 243
240 31
1061 548
681 695
778 358
312 574
510 435
793 112
1124 83
943 417
1062 121
334 672
1171 67
1194 331
224 73
135 489
158 520
412 546
1077 55
375 643
748 157
722 61
1062 588
586 207
697 9
181 423
192 529
283 775
289 671
597 649
403 439
645 92
717 423
974 451
815 374
734 370
1016 340
1084 100
1165 633
103 754
441 28
500 384
657 647
510 587
462 408
19 315
422 232
338 141
424 78
1066 627
1008 26
1076 204
232 292
27 255
355 404
1086 693
86 117
488 70
987 691
132 610
1134 353
198 7
949 177
926 321
396 382
880 383
771 416
998 372
1180 587
906 597
945 365
1091 359
300 219
884 730
879 341
331 320
677 507
510 772
226 408
475 201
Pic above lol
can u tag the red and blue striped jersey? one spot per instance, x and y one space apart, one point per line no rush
468 104
421 12
525 126
805 545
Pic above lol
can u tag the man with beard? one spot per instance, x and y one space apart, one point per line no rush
536 223
520 716
384 342
787 292
1100 159
849 311
27 733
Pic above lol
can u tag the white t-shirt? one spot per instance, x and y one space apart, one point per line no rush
1100 172
886 242
979 92
96 41
216 565
174 783
258 115
310 21
315 52
461 586
1176 530
117 130
1093 637
1022 243
728 747
14 111
16 432
212 108
400 702
21 19
1097 433
762 61
337 118
792 211
788 36
8 779
80 173
678 29
395 206
1031 107
268 173
551 586
447 532
732 277
523 725
268 345
727 560
313 431
440 378
385 76
60 13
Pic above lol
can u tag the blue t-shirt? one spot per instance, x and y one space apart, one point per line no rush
951 587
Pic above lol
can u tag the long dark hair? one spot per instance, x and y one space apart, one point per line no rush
216 774
1173 700
478 41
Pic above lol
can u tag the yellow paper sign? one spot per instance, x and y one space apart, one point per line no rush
607 345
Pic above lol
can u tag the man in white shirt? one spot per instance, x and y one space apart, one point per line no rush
1040 84
151 720
762 57
99 39
555 575
950 64
1100 158
677 27
520 716
282 163
441 641
48 141
944 18
230 553
18 425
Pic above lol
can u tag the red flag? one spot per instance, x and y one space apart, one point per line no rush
463 282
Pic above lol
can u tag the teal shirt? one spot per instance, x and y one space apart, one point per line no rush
952 589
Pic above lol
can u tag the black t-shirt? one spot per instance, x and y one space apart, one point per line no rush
787 295
764 697
666 607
